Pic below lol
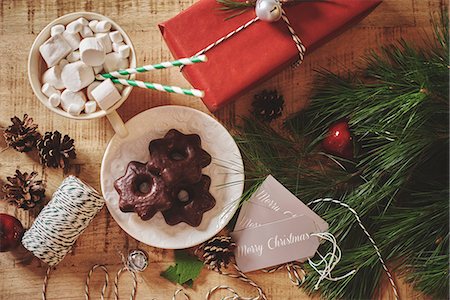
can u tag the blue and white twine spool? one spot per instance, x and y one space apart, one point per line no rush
62 220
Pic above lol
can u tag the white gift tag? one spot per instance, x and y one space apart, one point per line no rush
275 243
275 227
283 204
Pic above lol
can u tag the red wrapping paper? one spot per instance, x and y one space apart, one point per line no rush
257 52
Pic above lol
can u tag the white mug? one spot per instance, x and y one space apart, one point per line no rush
37 66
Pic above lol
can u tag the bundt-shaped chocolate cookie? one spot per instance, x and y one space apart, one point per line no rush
190 202
179 157
142 190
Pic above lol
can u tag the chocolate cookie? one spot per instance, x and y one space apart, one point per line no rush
179 157
142 190
190 202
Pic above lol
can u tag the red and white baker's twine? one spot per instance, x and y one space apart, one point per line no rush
298 43
116 283
105 285
212 45
88 279
241 276
44 285
292 269
180 291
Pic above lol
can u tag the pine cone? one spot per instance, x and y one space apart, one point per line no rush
55 152
23 190
267 105
218 252
22 135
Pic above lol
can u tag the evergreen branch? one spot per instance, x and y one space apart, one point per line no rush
232 5
430 275
398 182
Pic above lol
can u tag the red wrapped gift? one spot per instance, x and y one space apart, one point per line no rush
257 52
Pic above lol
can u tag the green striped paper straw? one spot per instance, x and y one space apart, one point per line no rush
159 87
162 65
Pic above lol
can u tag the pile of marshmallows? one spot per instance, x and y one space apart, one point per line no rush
74 55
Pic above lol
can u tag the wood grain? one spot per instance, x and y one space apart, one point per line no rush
20 21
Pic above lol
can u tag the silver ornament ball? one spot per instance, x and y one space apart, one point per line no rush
268 10
137 260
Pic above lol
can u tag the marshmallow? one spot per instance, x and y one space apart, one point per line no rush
115 46
54 100
98 69
73 39
115 37
57 29
119 87
54 49
74 27
77 75
69 97
74 56
86 32
92 51
124 51
103 26
105 41
75 109
90 88
106 94
114 62
53 77
48 90
62 63
123 63
83 21
90 107
92 25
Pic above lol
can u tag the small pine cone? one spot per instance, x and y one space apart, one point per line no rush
22 135
55 152
268 105
23 190
218 252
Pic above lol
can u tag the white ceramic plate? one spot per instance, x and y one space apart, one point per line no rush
226 168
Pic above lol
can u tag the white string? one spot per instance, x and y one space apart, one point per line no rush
377 250
330 260
182 292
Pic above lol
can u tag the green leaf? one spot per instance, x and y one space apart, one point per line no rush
186 269
170 274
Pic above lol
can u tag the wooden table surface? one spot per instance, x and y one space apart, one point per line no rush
20 22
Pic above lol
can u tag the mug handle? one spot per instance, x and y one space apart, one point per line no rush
117 124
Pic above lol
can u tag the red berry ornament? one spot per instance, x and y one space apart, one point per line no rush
339 140
11 231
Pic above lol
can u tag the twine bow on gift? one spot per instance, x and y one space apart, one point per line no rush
271 12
